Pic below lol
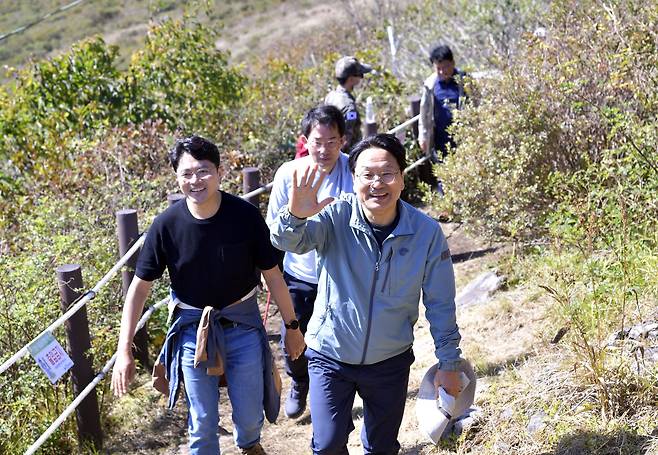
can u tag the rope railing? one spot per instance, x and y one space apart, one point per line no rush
89 295
415 164
401 127
404 125
258 191
87 390
86 297
22 28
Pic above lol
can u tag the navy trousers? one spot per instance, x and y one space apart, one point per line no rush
382 387
303 297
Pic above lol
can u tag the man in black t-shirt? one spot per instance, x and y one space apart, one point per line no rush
214 245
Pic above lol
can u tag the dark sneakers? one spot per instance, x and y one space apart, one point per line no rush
296 401
256 449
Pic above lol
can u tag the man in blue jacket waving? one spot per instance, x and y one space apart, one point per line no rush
376 254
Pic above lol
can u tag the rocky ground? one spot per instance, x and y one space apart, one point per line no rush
530 393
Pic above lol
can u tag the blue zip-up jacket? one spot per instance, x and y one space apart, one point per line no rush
368 297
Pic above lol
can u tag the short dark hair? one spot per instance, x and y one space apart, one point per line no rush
323 114
200 149
388 142
440 53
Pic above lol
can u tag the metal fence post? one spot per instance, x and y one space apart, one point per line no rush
128 232
250 182
87 416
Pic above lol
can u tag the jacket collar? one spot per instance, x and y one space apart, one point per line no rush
431 80
358 218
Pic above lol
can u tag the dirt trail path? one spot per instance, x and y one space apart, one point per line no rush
167 430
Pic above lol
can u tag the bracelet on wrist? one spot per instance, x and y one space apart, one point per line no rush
295 216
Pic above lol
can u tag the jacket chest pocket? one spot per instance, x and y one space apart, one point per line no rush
399 274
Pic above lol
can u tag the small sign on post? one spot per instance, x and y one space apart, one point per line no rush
50 356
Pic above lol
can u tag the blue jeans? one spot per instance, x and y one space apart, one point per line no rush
244 375
383 388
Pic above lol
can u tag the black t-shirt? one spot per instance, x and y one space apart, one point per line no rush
381 232
211 262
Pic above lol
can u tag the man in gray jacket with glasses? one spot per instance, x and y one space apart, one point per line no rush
376 256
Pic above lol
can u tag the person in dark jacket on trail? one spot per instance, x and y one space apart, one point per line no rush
443 92
349 74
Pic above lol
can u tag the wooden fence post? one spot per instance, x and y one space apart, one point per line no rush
414 107
128 232
250 182
87 416
371 128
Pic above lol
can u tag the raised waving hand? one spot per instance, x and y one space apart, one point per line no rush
304 194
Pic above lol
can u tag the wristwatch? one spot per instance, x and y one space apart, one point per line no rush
292 325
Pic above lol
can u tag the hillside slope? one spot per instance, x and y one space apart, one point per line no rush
125 23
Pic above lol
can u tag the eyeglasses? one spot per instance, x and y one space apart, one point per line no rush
330 144
368 178
201 174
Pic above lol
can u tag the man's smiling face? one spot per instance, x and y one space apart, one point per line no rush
198 180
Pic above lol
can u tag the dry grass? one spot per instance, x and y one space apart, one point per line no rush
521 378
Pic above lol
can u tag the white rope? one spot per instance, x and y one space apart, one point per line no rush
404 125
43 18
258 191
87 390
416 164
89 295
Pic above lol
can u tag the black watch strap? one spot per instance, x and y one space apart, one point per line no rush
292 325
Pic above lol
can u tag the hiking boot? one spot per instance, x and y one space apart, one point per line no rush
256 449
296 401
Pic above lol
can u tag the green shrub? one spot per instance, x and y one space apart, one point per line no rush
560 109
563 147
181 78
52 108
73 223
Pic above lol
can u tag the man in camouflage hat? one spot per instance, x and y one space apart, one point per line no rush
349 73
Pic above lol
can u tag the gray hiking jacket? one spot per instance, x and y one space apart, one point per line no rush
368 298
